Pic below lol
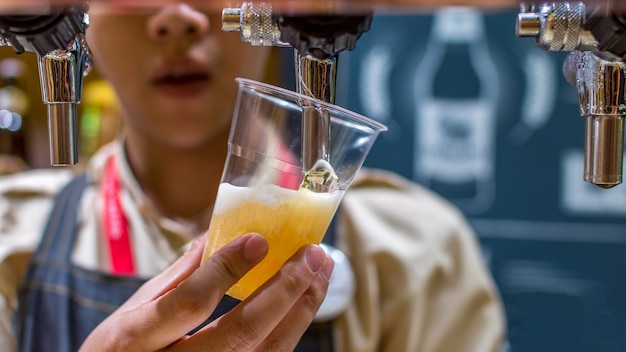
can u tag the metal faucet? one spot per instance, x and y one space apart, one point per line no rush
57 37
597 38
317 40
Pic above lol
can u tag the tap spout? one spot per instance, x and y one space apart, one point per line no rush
601 84
61 75
316 78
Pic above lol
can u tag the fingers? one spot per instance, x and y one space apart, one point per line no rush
272 310
156 324
170 277
275 317
287 334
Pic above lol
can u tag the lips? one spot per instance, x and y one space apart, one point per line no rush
182 78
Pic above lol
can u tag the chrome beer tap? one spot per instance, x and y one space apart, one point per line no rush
317 40
596 36
56 36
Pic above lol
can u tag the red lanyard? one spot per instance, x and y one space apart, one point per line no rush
115 223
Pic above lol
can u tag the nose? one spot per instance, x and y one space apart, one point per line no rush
177 22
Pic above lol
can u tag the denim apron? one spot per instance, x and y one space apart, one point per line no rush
61 303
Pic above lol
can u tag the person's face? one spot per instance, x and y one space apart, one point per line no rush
173 70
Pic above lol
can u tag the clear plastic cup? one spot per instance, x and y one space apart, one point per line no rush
261 189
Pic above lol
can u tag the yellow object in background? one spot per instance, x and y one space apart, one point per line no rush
100 119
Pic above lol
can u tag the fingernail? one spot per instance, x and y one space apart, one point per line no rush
315 257
255 247
327 270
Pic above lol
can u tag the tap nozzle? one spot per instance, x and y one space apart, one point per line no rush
604 148
61 75
316 78
62 133
601 84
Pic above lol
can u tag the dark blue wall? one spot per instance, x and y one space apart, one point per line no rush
556 245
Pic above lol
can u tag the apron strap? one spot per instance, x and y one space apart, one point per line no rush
62 220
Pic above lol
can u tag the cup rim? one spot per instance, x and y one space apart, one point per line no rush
371 123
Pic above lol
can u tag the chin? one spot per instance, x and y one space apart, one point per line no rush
194 138
183 144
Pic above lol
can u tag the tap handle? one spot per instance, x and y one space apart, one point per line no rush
42 33
323 36
609 29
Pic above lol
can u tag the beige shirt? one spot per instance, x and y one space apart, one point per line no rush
421 283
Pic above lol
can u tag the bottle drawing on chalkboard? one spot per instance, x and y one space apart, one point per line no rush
456 89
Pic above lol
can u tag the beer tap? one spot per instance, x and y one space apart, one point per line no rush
317 39
56 36
596 36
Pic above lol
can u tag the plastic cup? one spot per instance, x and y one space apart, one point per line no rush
260 189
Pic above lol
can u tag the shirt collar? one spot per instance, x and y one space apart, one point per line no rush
130 184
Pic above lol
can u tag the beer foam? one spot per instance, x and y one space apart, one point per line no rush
230 196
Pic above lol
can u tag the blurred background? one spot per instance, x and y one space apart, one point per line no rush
487 120
475 113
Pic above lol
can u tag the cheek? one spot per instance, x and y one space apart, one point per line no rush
219 106
257 67
116 54
244 60
133 97
122 73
